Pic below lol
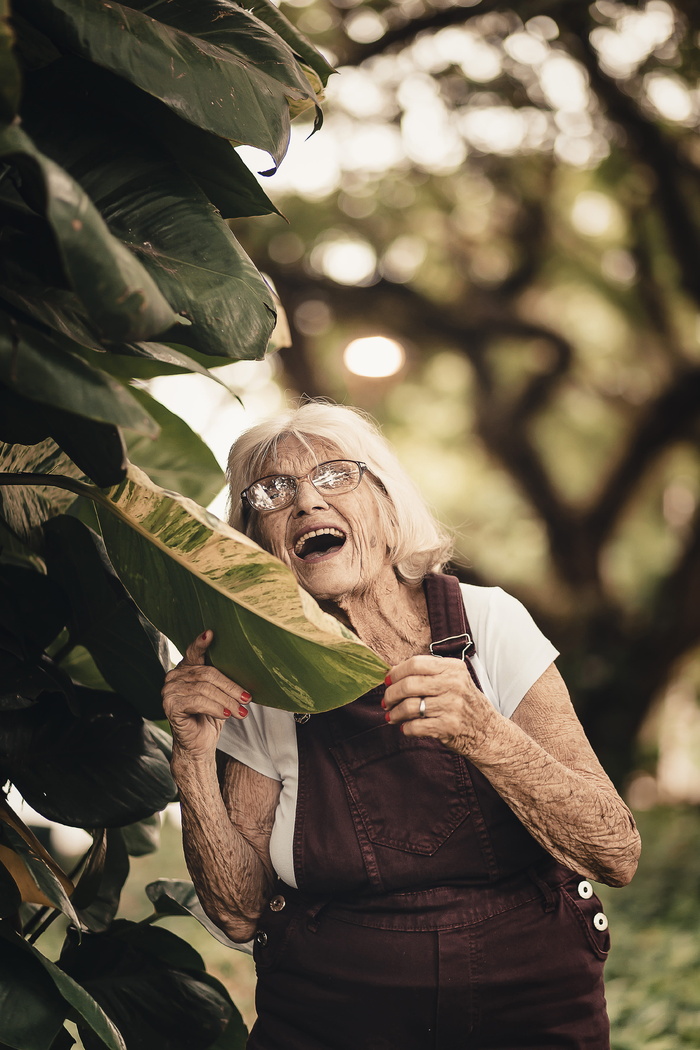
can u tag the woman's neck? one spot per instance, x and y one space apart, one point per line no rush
390 617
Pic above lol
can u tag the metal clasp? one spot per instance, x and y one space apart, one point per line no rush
468 650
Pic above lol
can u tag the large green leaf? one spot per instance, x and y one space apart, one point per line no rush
212 161
96 448
103 618
42 874
214 63
32 1010
160 212
178 897
25 507
153 985
187 571
96 896
179 460
121 297
273 17
147 360
45 979
143 837
46 370
98 767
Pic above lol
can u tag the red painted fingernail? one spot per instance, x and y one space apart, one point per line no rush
387 717
243 711
383 702
203 635
387 680
227 712
246 697
401 727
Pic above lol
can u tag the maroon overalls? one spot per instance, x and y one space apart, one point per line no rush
427 917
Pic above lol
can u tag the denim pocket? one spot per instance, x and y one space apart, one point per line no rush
409 793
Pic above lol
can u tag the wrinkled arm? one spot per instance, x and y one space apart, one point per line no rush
226 831
542 765
539 761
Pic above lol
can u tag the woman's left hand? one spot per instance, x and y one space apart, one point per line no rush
436 697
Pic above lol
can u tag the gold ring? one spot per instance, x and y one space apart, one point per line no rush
421 708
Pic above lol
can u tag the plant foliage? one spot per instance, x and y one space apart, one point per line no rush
118 173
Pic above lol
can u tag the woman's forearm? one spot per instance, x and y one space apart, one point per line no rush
229 865
559 791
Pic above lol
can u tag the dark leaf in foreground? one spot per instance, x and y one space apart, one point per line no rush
100 767
152 984
125 647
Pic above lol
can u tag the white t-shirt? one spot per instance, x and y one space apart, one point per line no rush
511 654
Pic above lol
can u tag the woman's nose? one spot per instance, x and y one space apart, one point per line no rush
308 498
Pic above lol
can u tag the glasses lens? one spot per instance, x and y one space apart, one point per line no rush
272 493
340 475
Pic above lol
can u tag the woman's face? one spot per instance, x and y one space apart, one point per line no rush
342 563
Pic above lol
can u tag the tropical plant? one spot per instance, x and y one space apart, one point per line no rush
118 174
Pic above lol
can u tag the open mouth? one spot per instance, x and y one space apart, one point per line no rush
319 543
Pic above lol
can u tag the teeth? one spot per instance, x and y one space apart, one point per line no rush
298 546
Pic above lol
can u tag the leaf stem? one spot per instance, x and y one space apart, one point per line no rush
59 481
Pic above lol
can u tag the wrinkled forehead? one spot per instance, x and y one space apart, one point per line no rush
293 456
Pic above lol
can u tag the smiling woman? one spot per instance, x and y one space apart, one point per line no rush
413 867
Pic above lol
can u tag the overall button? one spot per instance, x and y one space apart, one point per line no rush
600 921
585 889
277 903
261 938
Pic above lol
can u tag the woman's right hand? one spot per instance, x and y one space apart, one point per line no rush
198 699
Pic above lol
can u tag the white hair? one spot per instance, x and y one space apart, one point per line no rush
417 543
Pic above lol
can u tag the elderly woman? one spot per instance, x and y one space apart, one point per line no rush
414 867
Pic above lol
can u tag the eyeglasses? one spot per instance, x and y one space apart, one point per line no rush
277 491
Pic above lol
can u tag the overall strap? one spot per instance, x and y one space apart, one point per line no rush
449 625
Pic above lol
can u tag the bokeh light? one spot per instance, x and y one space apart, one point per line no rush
374 356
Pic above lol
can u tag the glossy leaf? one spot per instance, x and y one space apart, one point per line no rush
103 618
188 571
101 766
178 897
179 460
273 17
160 212
118 293
31 963
48 888
215 64
147 360
32 1010
25 507
99 888
153 986
143 837
80 667
44 369
96 448
212 161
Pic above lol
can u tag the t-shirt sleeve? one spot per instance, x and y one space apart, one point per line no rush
509 643
245 740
